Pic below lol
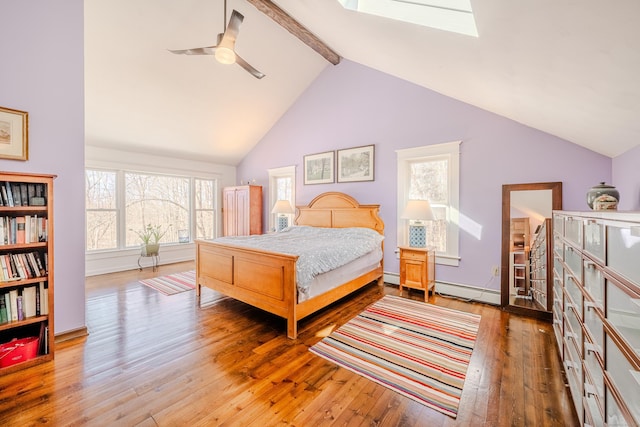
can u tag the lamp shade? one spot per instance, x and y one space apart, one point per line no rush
282 207
418 210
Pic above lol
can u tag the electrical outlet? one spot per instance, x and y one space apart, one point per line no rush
495 270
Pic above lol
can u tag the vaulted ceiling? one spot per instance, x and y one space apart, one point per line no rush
567 68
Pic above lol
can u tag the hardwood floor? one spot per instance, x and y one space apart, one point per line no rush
155 360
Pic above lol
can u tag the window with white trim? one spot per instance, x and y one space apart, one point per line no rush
119 203
281 187
432 173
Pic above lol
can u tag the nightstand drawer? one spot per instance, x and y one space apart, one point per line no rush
413 255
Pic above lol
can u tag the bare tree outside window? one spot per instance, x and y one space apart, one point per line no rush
156 200
429 181
147 199
101 211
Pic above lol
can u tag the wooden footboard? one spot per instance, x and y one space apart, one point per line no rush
265 280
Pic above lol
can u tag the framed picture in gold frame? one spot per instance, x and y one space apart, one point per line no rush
14 134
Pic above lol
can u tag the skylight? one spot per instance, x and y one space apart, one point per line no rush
449 15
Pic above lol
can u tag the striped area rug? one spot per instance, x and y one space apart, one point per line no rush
419 350
172 283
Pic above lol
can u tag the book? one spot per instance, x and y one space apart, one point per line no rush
7 189
38 307
15 194
41 268
29 301
14 267
24 266
3 310
20 230
7 303
20 307
44 298
31 191
16 261
13 303
24 194
33 264
5 272
5 197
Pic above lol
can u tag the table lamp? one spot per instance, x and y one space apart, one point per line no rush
417 211
281 208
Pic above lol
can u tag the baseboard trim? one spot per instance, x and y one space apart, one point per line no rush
466 292
72 334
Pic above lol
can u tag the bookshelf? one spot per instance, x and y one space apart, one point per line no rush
26 270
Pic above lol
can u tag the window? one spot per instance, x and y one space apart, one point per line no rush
205 209
156 200
432 173
450 15
122 202
102 214
281 187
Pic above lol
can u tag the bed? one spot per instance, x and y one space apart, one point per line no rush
267 280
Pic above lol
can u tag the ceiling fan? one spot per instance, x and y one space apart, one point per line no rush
224 50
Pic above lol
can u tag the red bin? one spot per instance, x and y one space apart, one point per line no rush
18 350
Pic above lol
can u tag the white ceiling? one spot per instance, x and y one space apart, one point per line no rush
569 68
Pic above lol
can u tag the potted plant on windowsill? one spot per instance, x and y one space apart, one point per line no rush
150 237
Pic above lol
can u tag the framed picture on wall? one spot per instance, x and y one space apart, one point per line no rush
356 164
319 168
14 136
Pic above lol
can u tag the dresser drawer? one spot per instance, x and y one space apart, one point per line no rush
625 378
594 373
573 259
594 239
623 312
593 282
593 323
575 294
573 328
623 251
614 413
573 230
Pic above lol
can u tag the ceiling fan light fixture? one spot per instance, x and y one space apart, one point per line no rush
224 55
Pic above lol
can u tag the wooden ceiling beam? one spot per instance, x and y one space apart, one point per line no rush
294 27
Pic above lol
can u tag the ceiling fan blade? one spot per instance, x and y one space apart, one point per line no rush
210 50
244 64
233 27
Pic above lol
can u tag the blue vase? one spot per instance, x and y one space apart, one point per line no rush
603 197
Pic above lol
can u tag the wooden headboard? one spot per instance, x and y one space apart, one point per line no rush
339 210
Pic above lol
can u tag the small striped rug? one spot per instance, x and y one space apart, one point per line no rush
419 350
172 283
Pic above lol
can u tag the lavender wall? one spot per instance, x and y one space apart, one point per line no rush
42 73
351 105
626 178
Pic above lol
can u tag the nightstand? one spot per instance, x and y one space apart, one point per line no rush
417 269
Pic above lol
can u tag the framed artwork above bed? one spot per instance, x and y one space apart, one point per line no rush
356 164
318 168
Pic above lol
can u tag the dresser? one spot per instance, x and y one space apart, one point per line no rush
242 210
596 312
417 269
